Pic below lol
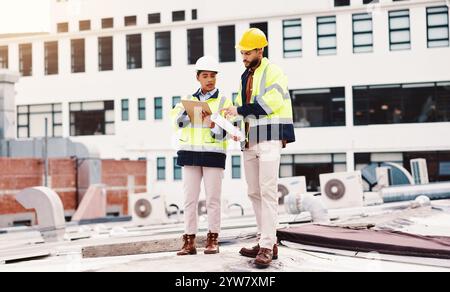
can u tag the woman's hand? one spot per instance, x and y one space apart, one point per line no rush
207 120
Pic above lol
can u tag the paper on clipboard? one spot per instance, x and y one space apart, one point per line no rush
194 110
227 126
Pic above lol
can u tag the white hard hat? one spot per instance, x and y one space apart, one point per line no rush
207 63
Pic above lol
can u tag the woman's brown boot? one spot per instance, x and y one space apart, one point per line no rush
188 246
212 243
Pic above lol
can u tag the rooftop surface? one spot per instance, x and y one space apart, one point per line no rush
123 247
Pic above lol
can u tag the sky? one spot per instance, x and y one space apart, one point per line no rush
22 16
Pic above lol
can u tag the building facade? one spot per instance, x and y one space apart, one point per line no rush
370 80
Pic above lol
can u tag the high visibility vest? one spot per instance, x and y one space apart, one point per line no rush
199 138
270 91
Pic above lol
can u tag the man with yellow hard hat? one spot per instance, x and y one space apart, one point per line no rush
265 105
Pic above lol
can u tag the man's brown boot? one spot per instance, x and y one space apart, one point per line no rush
264 258
188 246
253 252
212 243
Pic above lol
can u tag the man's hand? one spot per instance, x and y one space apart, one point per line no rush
231 111
207 120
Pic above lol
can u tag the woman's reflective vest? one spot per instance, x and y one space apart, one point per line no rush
198 144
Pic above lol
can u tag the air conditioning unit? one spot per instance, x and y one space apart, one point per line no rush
146 209
384 177
291 185
342 190
420 171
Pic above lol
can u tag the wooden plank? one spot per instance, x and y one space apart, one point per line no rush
137 248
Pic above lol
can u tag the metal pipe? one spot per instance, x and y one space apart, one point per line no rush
434 191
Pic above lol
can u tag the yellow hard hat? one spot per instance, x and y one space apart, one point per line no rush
252 39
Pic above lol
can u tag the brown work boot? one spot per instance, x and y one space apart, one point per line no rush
188 246
264 258
253 252
212 244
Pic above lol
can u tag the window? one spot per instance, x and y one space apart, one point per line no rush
292 38
338 3
362 33
154 18
105 53
399 30
437 25
125 110
264 27
92 118
161 168
402 103
312 166
195 45
158 108
51 58
162 49
326 36
130 20
62 27
142 109
227 41
134 51
177 171
31 120
85 25
25 60
323 107
107 23
78 56
194 14
236 167
4 57
178 15
176 100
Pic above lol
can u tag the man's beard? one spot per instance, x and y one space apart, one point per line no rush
253 64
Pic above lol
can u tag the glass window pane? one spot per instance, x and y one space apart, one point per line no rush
400 46
400 36
438 19
109 116
327 29
293 45
23 132
87 106
363 26
363 39
438 44
109 129
41 108
286 171
327 42
292 31
23 120
293 54
399 23
57 118
438 33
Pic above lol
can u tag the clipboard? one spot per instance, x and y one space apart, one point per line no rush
194 110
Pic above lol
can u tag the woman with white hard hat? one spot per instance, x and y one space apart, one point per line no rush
202 155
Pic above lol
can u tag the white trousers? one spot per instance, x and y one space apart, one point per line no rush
212 179
262 165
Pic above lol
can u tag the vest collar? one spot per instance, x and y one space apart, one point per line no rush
197 94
